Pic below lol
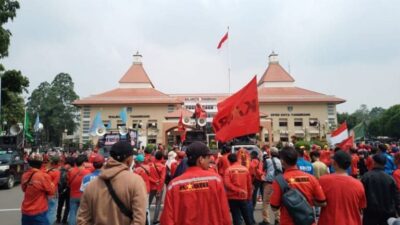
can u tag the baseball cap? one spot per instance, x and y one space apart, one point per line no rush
121 150
197 149
379 159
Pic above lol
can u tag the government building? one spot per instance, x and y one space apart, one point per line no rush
286 111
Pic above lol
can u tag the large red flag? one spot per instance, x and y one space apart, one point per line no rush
223 39
239 114
347 144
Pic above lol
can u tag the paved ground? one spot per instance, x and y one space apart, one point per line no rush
10 203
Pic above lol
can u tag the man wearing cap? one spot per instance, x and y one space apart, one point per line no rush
97 204
345 195
37 186
97 160
383 197
197 196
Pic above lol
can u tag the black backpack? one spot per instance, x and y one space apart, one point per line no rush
63 182
296 204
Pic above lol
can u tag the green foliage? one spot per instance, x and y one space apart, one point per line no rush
12 104
306 144
54 104
8 11
149 148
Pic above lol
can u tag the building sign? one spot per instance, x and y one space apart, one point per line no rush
289 114
113 117
198 99
140 116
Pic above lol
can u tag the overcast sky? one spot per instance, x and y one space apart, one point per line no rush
350 49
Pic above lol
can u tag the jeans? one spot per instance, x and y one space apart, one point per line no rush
257 186
153 193
39 219
51 212
239 208
73 210
63 199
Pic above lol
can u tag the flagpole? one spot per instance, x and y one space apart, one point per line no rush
229 65
23 130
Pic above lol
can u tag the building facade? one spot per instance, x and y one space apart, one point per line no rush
286 111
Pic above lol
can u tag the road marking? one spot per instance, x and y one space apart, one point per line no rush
9 210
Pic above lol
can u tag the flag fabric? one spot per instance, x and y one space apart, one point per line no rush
359 131
181 126
27 124
97 123
123 115
37 122
239 114
340 134
222 41
347 144
199 112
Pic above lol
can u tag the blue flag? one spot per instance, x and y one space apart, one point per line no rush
97 123
123 115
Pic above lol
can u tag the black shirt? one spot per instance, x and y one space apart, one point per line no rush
383 197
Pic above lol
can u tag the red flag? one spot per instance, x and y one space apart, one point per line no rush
181 126
223 39
347 144
239 114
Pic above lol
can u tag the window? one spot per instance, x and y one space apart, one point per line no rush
266 137
190 107
313 122
151 139
152 124
129 109
331 109
86 112
298 122
284 138
209 107
137 124
283 122
171 108
332 122
85 127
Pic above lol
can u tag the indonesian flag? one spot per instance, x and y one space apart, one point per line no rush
347 144
340 134
239 114
222 41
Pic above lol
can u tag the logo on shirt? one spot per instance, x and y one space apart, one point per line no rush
298 180
194 186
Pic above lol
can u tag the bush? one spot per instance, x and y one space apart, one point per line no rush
306 144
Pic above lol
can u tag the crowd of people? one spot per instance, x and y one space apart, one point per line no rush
295 185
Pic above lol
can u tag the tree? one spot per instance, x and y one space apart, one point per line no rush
390 121
53 102
8 11
12 86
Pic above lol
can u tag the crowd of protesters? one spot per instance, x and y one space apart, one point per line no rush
342 186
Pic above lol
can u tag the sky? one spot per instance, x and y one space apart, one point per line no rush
346 48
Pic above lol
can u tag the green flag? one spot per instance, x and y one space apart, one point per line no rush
359 131
27 124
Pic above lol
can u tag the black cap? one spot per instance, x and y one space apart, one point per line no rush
197 149
379 159
343 159
121 150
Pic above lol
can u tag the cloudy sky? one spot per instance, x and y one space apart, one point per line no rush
350 49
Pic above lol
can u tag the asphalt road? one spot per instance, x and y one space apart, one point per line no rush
10 203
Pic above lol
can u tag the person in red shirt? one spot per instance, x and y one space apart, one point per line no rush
325 156
197 196
256 172
396 173
354 163
37 186
306 183
157 179
223 162
237 180
54 172
370 161
143 171
75 176
213 165
345 195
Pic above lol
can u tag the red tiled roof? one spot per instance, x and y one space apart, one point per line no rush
275 73
177 113
293 94
128 96
136 74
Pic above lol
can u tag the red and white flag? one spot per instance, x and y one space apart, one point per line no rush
223 40
347 144
340 134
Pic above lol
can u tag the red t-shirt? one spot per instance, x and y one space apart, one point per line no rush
75 176
54 173
306 183
354 164
345 197
396 177
144 172
325 157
